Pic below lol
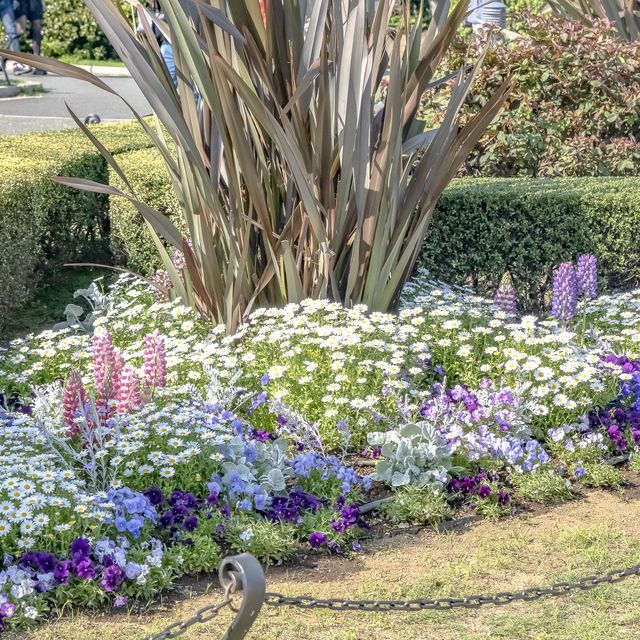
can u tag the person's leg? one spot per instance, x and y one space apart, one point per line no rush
21 22
36 14
9 24
167 54
36 36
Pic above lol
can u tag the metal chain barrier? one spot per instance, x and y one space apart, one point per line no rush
440 604
202 615
338 604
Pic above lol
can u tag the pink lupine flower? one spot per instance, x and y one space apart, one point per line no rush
74 396
163 285
155 361
128 392
108 363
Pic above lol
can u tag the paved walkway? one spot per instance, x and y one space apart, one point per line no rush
47 111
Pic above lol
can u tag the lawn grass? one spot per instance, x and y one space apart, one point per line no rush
48 303
593 534
85 62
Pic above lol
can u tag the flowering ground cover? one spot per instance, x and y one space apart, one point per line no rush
143 446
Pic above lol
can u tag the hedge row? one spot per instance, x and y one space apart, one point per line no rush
44 224
481 229
485 227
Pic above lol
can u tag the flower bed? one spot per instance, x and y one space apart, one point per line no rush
150 446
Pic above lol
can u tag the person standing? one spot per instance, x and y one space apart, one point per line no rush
31 11
9 24
165 46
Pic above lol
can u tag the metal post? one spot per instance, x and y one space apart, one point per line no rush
245 573
495 13
3 64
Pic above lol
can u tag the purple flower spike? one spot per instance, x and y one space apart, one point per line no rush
587 275
505 297
565 292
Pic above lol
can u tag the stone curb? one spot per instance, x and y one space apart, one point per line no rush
9 92
106 72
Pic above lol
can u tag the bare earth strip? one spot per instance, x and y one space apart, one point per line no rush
599 532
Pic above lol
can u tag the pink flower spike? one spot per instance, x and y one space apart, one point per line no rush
74 396
128 394
155 361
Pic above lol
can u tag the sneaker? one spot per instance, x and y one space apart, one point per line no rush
39 72
21 69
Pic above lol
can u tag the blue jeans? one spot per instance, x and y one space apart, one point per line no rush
167 53
9 24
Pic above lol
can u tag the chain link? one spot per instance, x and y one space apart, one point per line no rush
206 614
441 604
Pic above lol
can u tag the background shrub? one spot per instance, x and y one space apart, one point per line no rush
574 109
485 227
70 29
130 239
482 228
20 228
44 224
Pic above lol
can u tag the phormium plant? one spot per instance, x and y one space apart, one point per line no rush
298 158
623 14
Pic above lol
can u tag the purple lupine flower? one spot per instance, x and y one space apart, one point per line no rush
587 276
565 292
505 297
317 539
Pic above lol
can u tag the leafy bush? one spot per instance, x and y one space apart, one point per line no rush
131 241
575 105
544 487
70 29
484 228
44 224
623 14
602 476
418 505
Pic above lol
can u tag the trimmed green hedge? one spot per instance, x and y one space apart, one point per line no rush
481 228
130 239
44 224
484 227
